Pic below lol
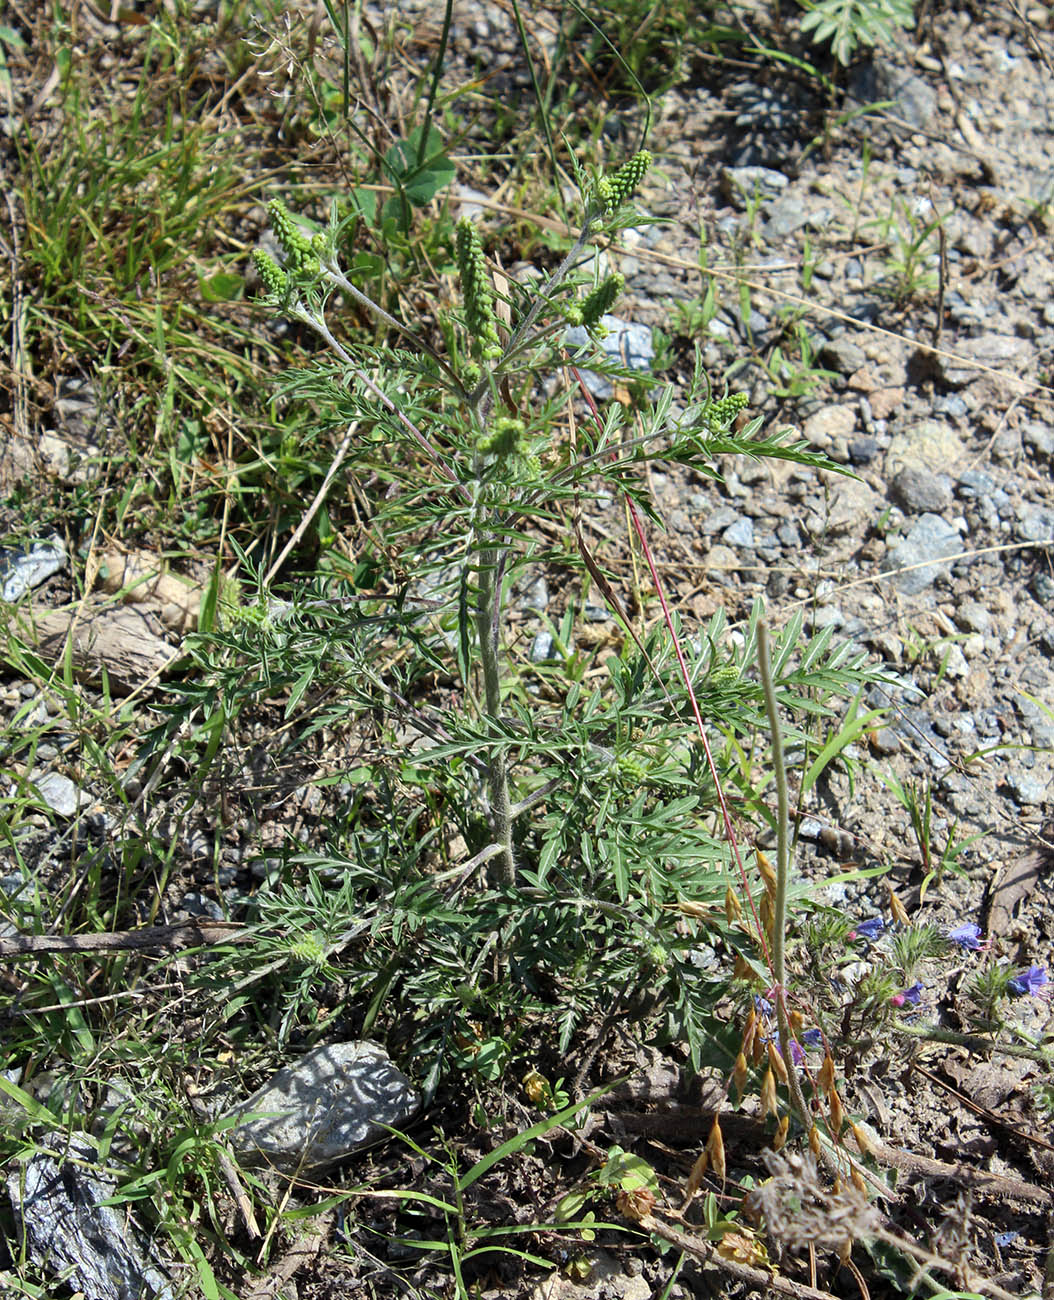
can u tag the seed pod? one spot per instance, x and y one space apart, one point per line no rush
858 1181
797 1023
862 1140
896 907
733 911
767 917
825 1074
780 1139
740 1075
769 1103
741 968
814 1141
748 1031
837 1115
767 874
695 1178
715 1148
778 1063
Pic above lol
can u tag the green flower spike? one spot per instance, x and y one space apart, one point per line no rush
720 414
301 257
601 300
507 440
275 280
476 291
613 191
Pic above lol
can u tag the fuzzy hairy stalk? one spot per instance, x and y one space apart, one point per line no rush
779 922
488 618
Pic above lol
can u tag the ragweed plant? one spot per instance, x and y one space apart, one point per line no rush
591 810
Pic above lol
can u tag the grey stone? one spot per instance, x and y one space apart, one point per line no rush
69 1233
917 490
991 351
740 534
975 483
1028 788
626 344
1040 724
1035 524
914 99
972 616
863 450
536 597
315 1113
21 569
716 520
740 184
930 541
1040 437
58 792
843 355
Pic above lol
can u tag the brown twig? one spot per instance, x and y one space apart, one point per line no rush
703 1251
157 938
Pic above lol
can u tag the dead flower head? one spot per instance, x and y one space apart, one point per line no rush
800 1210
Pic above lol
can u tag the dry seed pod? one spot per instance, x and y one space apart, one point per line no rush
769 1104
858 1181
796 1022
739 1075
767 917
837 1113
814 1141
767 874
825 1074
733 911
715 1147
748 1031
778 1063
741 968
695 1178
780 1139
862 1140
896 907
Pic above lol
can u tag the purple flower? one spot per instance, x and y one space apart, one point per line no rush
868 930
967 936
812 1038
1031 981
762 1005
1005 1238
797 1055
913 995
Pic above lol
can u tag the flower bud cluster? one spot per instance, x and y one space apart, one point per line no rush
597 303
720 414
476 291
301 251
507 441
274 279
613 191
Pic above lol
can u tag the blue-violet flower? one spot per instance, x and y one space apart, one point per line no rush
1031 981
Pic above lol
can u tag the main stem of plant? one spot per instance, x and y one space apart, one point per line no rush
488 597
779 908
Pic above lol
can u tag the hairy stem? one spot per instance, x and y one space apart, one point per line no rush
488 599
779 907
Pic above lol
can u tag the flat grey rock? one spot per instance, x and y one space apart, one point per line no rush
315 1113
68 1232
920 554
